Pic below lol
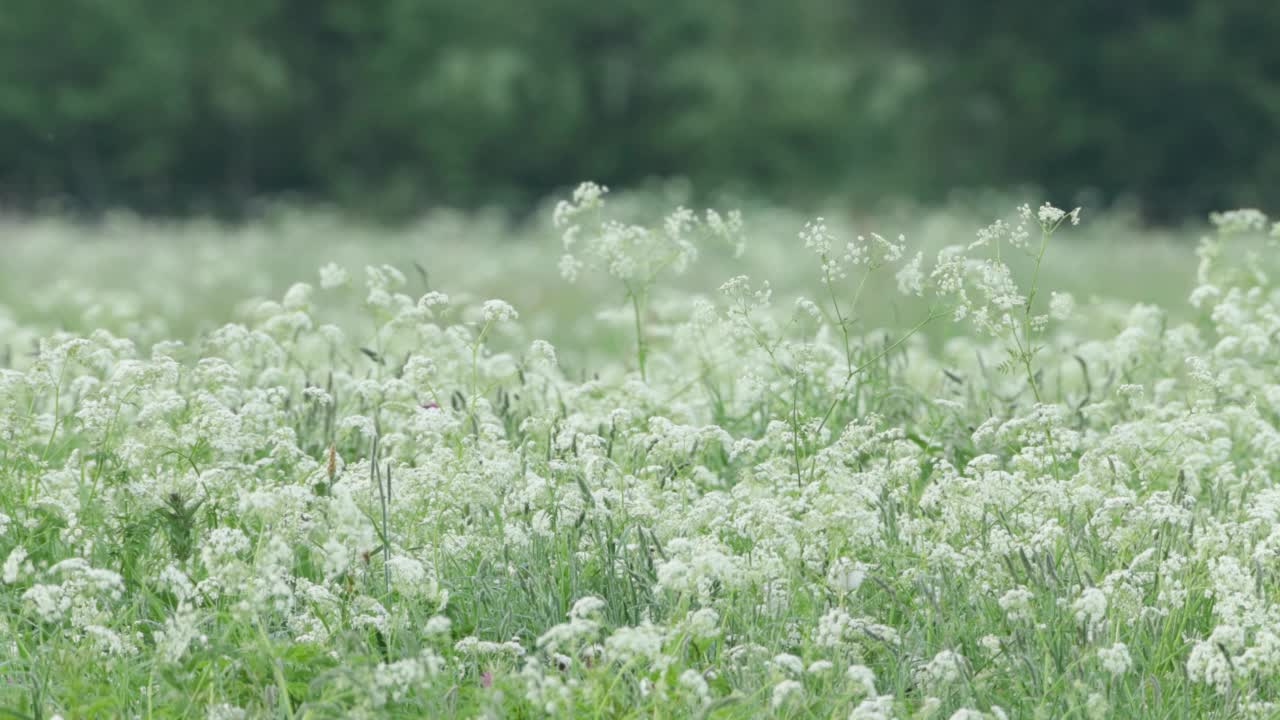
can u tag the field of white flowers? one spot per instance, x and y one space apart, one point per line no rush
690 465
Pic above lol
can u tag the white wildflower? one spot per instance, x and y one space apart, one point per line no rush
1115 659
496 311
15 564
784 691
333 276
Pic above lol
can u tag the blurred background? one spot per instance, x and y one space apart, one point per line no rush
389 108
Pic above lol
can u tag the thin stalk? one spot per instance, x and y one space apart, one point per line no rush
858 370
1028 351
642 350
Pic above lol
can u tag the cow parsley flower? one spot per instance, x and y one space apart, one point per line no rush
1061 305
14 565
946 667
496 311
1115 659
1091 607
911 277
785 691
789 664
863 677
879 707
1017 603
1233 222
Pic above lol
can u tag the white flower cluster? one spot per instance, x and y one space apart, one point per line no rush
635 254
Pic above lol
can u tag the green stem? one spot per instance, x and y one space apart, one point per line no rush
637 302
1028 351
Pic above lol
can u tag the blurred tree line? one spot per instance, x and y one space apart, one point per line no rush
389 106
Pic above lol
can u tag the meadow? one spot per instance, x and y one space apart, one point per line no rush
626 459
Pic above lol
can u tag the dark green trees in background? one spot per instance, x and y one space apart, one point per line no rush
390 106
1174 102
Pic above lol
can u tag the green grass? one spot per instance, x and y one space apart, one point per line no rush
701 500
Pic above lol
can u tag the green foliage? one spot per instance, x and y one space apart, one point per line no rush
393 105
400 103
1165 99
